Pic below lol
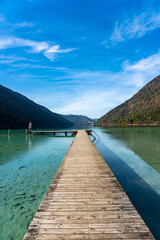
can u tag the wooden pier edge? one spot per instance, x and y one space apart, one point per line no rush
85 201
53 132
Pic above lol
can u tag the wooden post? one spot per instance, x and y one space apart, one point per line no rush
9 132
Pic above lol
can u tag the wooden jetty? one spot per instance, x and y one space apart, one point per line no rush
85 201
54 133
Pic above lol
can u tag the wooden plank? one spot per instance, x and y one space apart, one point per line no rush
85 201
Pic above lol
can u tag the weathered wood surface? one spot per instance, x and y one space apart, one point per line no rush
85 201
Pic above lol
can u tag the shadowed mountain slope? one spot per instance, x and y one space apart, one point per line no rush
16 111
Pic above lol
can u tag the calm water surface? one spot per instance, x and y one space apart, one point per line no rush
133 154
28 165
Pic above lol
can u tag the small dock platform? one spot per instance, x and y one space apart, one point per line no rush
55 133
85 201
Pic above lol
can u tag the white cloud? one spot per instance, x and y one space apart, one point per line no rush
15 25
14 42
143 70
151 63
134 74
136 27
23 24
51 51
9 59
44 47
127 82
89 92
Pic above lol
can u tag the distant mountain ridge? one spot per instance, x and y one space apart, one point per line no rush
142 108
78 118
16 111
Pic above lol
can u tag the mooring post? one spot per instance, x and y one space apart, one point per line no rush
9 132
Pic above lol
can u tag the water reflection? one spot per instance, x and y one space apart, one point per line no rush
132 153
121 149
28 165
143 141
15 145
143 196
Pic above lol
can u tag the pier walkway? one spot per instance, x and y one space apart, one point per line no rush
85 201
55 133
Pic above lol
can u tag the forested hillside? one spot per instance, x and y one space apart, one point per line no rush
142 108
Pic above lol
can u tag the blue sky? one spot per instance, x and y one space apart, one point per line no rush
79 56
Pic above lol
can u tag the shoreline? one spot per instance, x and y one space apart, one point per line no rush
129 125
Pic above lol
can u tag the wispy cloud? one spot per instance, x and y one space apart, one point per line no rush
151 63
48 49
15 25
9 59
92 102
127 82
44 47
142 71
135 27
23 24
39 66
52 50
134 74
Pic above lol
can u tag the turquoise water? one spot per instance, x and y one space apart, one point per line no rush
133 154
139 148
27 167
143 141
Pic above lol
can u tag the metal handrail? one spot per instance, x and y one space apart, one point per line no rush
96 134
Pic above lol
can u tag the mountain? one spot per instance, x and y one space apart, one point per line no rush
142 108
16 111
77 119
95 119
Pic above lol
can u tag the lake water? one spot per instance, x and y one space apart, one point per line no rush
28 165
133 154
